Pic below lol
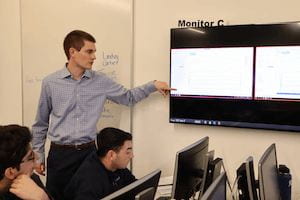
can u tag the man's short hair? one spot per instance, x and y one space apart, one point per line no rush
14 145
111 139
76 39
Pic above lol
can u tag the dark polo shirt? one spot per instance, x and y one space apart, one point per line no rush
92 181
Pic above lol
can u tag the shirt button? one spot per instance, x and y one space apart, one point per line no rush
77 119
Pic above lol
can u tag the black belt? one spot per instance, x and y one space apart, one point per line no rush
73 146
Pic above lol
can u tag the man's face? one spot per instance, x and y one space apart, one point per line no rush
27 163
86 56
123 157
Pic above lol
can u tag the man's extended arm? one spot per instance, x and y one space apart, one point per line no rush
119 94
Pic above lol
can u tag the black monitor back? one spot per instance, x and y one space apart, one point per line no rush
189 167
146 194
213 171
130 191
206 174
246 181
268 175
217 190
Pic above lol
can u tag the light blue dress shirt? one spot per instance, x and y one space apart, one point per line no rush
69 109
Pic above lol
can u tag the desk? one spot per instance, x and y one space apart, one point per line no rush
164 187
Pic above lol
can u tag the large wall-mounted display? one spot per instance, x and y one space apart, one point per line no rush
243 76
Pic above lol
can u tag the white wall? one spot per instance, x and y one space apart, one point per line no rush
10 63
155 139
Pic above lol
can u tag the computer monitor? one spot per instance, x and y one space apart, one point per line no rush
209 158
246 181
268 175
146 194
189 167
213 171
130 191
217 190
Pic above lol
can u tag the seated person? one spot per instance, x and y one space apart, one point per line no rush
17 161
104 171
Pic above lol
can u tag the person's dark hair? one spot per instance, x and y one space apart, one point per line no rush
76 39
14 144
111 139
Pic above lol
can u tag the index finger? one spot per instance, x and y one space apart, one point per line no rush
169 89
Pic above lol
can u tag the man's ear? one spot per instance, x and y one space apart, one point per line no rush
111 154
72 51
11 173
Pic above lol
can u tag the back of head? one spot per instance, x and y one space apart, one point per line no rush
75 39
14 144
111 139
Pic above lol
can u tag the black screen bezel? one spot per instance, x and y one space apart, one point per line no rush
265 114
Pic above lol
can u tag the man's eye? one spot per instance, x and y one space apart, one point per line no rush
90 51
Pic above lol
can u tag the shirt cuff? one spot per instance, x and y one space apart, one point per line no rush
151 87
40 158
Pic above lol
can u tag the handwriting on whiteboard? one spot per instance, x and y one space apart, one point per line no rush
110 59
35 79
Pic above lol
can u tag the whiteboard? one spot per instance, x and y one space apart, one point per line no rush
45 24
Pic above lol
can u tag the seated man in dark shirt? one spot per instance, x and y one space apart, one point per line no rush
17 161
104 171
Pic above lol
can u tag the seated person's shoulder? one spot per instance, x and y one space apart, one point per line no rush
126 176
90 170
89 166
86 182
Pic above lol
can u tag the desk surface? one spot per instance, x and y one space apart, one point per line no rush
167 180
164 187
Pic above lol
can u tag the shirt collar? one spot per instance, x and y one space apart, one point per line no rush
87 74
64 73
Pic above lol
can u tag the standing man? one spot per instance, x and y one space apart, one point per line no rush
70 106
